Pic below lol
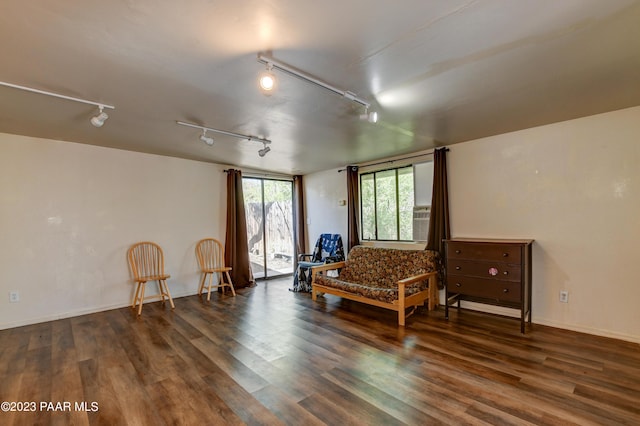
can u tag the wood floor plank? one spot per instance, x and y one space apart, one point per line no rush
384 401
97 387
285 408
138 404
36 383
227 363
15 343
67 387
244 405
188 400
289 382
337 406
270 356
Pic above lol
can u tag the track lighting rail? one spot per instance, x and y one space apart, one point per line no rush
224 132
275 64
57 95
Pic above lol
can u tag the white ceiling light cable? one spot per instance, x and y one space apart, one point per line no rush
209 141
97 121
281 66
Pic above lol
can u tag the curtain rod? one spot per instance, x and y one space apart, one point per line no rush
395 160
265 175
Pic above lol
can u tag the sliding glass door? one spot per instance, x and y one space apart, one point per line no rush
269 211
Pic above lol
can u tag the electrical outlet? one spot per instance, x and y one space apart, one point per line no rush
14 296
564 296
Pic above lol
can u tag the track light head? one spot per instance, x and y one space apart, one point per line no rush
267 80
206 139
264 151
99 119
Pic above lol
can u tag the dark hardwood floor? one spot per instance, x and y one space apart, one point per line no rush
270 356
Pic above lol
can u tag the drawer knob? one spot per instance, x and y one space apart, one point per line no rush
458 285
458 268
493 271
458 252
505 254
506 290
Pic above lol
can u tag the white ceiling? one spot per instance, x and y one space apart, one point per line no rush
438 73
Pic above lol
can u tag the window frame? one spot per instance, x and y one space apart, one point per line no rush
375 199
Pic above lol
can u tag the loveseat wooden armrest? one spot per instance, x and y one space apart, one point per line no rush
433 286
327 267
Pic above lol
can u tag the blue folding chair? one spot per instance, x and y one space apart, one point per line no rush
328 249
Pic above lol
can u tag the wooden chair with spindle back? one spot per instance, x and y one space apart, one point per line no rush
210 254
147 264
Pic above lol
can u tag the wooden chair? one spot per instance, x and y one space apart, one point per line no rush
147 264
210 254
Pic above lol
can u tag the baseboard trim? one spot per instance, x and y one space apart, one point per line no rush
588 330
76 313
515 313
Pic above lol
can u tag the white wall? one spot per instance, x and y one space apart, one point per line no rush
69 212
575 188
572 186
323 193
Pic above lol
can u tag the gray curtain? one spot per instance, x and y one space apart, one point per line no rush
439 228
353 201
299 234
236 253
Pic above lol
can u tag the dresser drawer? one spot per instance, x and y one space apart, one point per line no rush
481 269
484 251
488 288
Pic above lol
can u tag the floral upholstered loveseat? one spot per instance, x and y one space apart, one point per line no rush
390 278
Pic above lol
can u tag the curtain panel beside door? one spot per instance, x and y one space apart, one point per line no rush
236 252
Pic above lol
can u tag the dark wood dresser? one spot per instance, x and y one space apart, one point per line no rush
491 271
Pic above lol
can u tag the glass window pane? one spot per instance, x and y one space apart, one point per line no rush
270 240
368 207
406 202
252 191
386 205
278 197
